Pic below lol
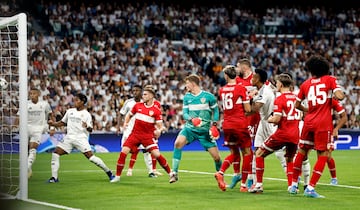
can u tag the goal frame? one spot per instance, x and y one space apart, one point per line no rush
21 20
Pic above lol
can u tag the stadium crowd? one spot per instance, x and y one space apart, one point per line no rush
103 50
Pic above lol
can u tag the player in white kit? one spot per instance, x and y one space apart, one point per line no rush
263 102
39 112
79 124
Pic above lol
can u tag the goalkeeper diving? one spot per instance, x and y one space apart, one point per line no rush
201 112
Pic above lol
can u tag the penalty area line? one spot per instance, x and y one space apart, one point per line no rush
209 173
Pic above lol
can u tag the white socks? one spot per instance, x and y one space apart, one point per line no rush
31 157
55 165
252 175
306 169
97 161
280 155
148 161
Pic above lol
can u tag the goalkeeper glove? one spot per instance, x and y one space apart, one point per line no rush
214 133
196 121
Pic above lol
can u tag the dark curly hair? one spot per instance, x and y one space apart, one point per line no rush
82 97
318 66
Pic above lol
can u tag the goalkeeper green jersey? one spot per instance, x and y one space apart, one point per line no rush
205 106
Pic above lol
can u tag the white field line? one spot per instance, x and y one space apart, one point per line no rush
51 204
207 173
184 171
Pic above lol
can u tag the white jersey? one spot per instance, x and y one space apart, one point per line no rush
266 96
38 114
74 123
125 109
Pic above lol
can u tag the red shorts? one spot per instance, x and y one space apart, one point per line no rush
134 140
313 139
237 137
272 145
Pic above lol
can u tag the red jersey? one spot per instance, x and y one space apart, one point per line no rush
254 118
337 107
245 81
288 127
157 104
318 92
145 118
233 97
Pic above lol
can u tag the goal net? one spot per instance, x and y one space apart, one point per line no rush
13 105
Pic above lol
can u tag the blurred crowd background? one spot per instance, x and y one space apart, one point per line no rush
103 48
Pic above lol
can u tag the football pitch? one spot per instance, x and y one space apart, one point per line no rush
84 186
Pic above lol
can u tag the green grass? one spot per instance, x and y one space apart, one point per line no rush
84 186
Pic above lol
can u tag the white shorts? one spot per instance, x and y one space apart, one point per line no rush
68 144
263 132
35 135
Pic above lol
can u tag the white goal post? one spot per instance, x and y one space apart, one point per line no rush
13 105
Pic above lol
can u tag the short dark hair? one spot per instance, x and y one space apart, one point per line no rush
262 74
82 97
287 73
34 88
137 86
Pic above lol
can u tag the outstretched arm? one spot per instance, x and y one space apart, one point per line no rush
56 124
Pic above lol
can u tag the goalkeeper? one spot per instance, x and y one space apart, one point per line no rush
201 112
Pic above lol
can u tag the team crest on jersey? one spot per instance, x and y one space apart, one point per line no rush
203 100
151 113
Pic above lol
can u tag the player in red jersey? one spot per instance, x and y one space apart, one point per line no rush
339 109
235 102
245 75
317 130
155 172
150 161
287 134
148 123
